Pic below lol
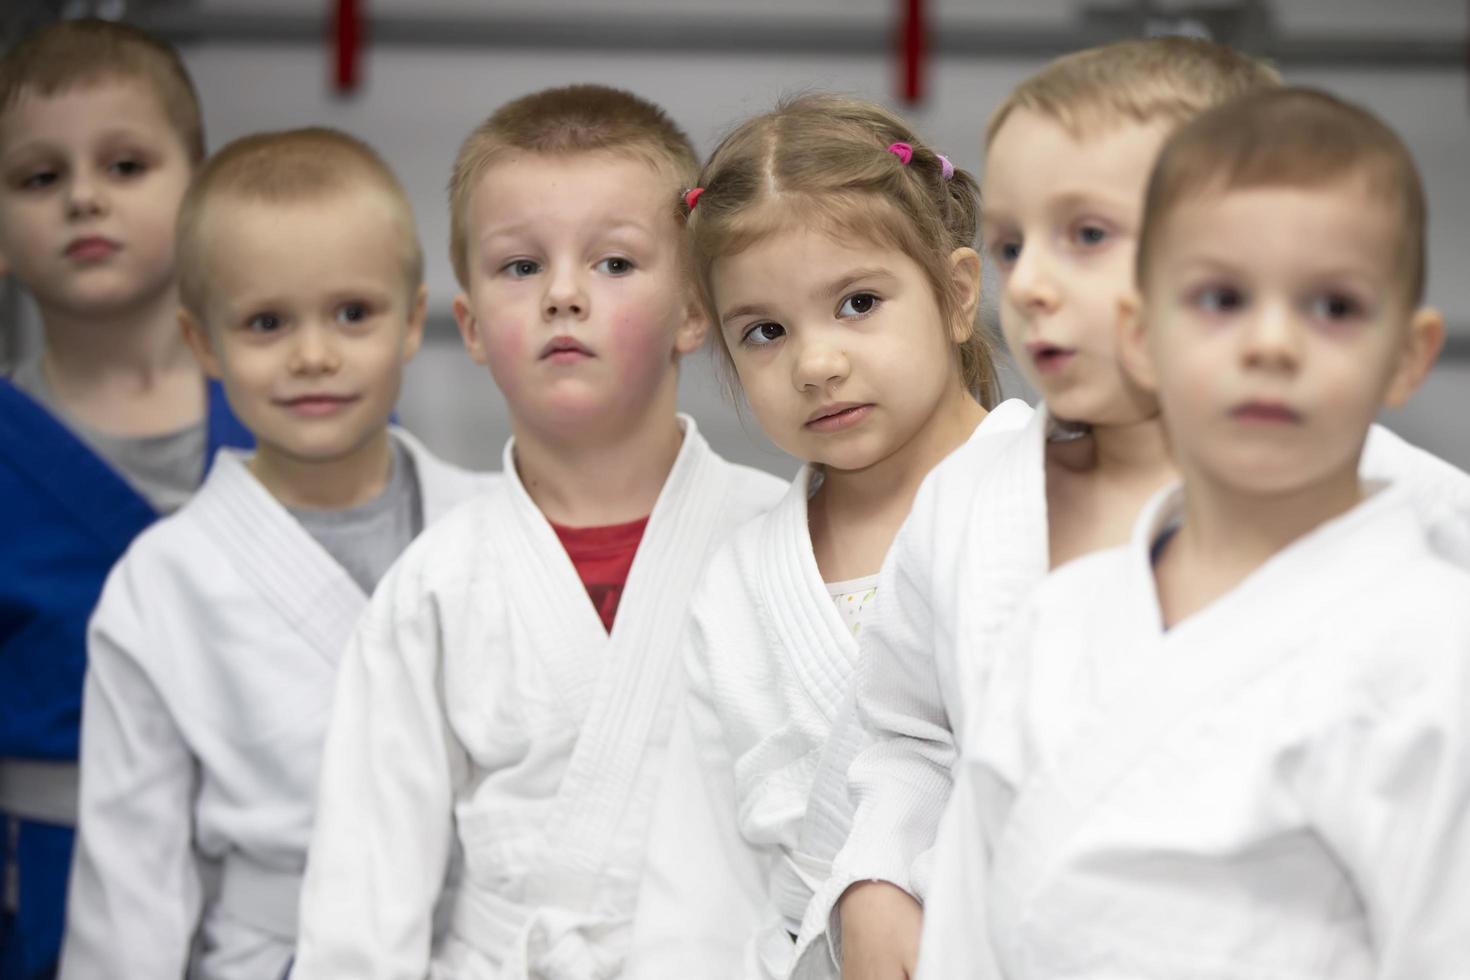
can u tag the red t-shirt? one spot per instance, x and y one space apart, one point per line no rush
602 557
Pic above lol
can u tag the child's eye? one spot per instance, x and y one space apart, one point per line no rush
1089 234
1219 299
521 268
127 168
858 304
761 334
615 265
38 180
263 323
1335 307
1006 252
352 313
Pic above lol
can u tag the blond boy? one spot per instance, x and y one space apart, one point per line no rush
1236 747
510 692
1067 156
109 426
213 651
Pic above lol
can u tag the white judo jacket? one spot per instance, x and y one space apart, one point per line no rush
1277 786
971 549
768 669
213 657
483 707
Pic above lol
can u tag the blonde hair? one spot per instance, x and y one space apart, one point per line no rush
823 160
566 121
1289 137
288 167
1141 80
75 53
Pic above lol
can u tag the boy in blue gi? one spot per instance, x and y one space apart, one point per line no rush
108 428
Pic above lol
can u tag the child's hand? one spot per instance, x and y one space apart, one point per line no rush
880 932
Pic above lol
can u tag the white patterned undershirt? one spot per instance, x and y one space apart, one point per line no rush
852 598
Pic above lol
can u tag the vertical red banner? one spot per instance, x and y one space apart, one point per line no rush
912 48
347 46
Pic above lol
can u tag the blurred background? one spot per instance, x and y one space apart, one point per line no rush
412 77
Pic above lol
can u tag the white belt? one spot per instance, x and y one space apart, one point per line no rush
260 897
39 790
794 879
544 942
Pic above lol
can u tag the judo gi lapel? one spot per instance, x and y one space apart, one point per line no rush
632 702
801 615
1182 674
276 556
566 635
62 467
1007 549
282 561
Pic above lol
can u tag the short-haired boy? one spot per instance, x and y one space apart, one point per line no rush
1066 160
1238 746
510 693
110 426
214 648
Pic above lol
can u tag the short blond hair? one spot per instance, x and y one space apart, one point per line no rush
1290 137
566 121
823 160
1140 81
289 167
76 53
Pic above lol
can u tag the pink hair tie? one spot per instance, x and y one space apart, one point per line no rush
946 169
903 151
691 197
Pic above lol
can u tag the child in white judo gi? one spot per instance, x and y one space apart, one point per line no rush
510 693
213 652
834 250
1067 156
1237 747
108 425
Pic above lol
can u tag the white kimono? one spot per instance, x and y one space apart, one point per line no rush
212 660
768 668
971 550
973 546
483 704
1277 786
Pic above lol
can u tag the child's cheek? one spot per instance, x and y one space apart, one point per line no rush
643 347
505 343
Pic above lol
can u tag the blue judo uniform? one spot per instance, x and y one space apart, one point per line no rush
65 518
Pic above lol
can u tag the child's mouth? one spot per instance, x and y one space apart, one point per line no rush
565 350
1266 413
1049 358
833 418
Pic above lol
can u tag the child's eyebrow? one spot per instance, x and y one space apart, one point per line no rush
748 309
845 281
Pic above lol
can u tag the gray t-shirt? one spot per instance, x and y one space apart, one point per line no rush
164 468
366 539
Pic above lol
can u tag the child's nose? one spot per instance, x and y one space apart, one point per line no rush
819 364
1031 285
85 195
565 295
1272 338
315 351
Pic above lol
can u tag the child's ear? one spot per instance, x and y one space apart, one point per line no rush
964 270
692 330
198 340
1133 352
469 332
417 314
1422 343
